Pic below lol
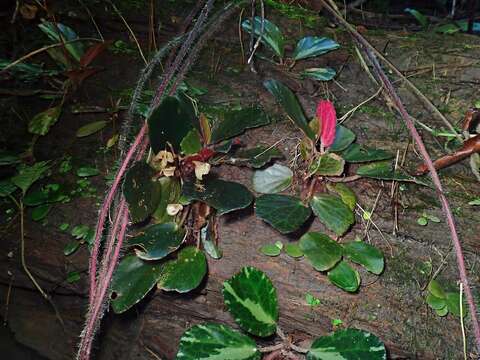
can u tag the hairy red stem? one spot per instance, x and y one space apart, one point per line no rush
105 208
94 315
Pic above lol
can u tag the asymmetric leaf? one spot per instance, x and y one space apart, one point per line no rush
271 36
233 122
224 196
273 179
252 300
348 344
311 46
157 241
132 280
366 255
333 212
321 74
345 277
185 273
356 154
285 213
287 99
141 192
215 341
322 252
170 122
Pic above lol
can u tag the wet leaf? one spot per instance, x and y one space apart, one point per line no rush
287 99
233 122
80 232
343 276
71 247
7 158
30 174
474 202
42 122
91 128
132 280
366 255
436 289
311 46
328 164
422 19
208 242
321 74
356 154
191 143
224 196
343 138
333 212
270 250
141 192
272 36
293 250
273 179
40 212
185 273
6 188
252 300
170 122
384 170
285 213
256 157
442 312
73 277
61 33
348 344
453 303
320 250
170 190
346 194
157 241
210 341
87 171
435 303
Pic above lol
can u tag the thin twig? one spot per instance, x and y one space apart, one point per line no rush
93 19
45 48
355 108
262 29
27 270
132 34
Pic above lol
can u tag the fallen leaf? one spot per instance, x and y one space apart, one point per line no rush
470 147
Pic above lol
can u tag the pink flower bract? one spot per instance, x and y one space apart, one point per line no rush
327 119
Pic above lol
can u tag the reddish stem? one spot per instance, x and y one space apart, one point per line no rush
436 181
104 210
93 317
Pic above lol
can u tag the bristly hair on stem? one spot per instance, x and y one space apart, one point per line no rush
99 283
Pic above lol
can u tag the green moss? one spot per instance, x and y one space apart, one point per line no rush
309 18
